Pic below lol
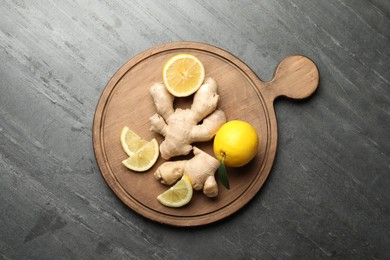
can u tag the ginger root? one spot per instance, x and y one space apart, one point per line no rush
200 169
181 127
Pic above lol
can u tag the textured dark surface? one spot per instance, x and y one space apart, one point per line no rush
329 190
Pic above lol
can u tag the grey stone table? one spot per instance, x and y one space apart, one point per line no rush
327 196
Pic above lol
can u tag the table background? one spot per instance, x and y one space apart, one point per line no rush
327 194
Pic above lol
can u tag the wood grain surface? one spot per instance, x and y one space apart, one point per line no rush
327 194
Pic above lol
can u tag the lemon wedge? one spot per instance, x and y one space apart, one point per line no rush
178 195
130 141
144 158
183 74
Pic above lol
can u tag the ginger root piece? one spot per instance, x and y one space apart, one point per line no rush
200 169
181 127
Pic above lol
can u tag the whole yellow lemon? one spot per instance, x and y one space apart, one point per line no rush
236 143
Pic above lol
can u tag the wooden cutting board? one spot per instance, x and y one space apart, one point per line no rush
126 101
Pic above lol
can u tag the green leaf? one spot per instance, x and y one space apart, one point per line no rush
222 174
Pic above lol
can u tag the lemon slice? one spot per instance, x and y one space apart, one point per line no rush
183 74
178 195
143 159
130 141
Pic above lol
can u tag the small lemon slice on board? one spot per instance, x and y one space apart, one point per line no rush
144 158
178 195
130 141
183 74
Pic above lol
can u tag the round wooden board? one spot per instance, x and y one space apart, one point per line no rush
126 101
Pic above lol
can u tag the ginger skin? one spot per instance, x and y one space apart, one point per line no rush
181 127
200 169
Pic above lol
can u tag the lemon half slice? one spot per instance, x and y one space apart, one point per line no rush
178 195
144 158
130 141
183 74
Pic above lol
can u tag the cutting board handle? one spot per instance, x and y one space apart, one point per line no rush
295 77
